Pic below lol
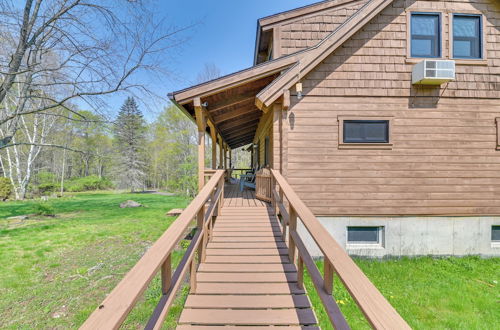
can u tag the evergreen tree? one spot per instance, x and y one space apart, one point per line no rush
130 130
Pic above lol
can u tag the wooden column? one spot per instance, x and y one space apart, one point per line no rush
213 135
201 122
221 152
230 158
225 156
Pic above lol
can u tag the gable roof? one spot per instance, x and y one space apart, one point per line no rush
318 53
234 100
301 11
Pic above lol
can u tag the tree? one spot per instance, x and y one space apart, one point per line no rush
129 130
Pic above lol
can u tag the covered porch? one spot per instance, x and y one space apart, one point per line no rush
225 110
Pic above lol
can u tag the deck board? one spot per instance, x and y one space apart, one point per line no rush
246 280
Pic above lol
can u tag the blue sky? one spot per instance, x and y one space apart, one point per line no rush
223 34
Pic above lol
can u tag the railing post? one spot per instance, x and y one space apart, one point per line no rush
201 228
192 280
328 276
292 227
300 273
166 274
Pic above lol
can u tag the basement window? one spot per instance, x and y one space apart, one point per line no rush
495 234
371 236
367 133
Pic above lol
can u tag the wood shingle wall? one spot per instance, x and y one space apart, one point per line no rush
443 160
308 31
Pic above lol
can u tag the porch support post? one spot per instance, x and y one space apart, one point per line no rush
213 135
221 152
201 122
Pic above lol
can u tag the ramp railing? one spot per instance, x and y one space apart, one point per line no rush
377 310
113 311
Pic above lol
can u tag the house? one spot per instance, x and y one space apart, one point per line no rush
380 122
382 115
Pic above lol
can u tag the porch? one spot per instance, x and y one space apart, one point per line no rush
233 197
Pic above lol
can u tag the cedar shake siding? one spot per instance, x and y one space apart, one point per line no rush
306 32
442 158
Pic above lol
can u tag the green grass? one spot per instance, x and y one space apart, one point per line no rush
429 293
55 271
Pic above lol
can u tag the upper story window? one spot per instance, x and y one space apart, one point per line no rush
425 35
467 33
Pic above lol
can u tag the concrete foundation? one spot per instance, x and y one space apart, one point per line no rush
414 236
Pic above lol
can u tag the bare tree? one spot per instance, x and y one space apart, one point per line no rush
57 54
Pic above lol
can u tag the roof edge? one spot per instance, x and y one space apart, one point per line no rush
319 52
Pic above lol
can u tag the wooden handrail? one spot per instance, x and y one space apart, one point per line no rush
377 310
118 304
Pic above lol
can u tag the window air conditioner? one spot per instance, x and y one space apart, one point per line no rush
433 72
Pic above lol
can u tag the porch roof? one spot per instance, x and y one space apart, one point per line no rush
229 101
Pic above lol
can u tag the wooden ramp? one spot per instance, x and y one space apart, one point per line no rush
247 278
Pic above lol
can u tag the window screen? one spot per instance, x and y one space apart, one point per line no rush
467 36
363 234
495 233
366 131
425 35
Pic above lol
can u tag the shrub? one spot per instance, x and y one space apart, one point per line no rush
44 209
5 188
87 183
47 187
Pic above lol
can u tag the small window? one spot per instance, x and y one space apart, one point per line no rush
495 234
366 131
364 235
425 35
467 34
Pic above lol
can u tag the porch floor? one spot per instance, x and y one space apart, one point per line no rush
233 197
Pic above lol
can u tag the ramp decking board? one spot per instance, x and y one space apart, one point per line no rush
246 280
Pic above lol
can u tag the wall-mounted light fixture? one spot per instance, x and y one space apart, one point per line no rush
298 88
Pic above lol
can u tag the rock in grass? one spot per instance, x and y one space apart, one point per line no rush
130 203
18 217
174 212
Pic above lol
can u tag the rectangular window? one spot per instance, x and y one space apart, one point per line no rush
467 34
495 234
364 235
425 35
366 131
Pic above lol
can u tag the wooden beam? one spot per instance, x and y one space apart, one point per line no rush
237 133
201 122
234 114
237 125
231 102
213 135
286 99
221 151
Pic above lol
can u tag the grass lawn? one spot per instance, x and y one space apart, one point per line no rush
56 270
429 293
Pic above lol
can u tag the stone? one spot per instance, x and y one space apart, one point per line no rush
18 217
130 203
174 212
